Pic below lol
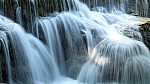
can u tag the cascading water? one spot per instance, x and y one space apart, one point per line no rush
65 25
134 7
30 53
31 9
4 43
89 46
116 59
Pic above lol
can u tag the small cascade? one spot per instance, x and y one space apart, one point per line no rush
47 31
63 34
117 59
135 7
110 5
140 7
29 10
33 62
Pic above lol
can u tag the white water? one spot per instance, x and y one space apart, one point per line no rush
59 51
110 63
40 61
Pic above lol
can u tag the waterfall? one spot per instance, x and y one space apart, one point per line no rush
72 41
31 9
51 36
29 53
5 45
61 31
108 4
134 7
117 60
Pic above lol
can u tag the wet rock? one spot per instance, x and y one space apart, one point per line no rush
19 70
131 33
145 31
0 64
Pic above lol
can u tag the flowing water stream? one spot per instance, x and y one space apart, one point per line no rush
86 44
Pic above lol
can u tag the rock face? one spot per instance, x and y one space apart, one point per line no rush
3 66
9 62
143 28
145 31
131 33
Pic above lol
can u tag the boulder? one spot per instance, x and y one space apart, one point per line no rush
145 31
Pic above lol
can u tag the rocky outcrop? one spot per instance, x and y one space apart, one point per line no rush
141 33
145 31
